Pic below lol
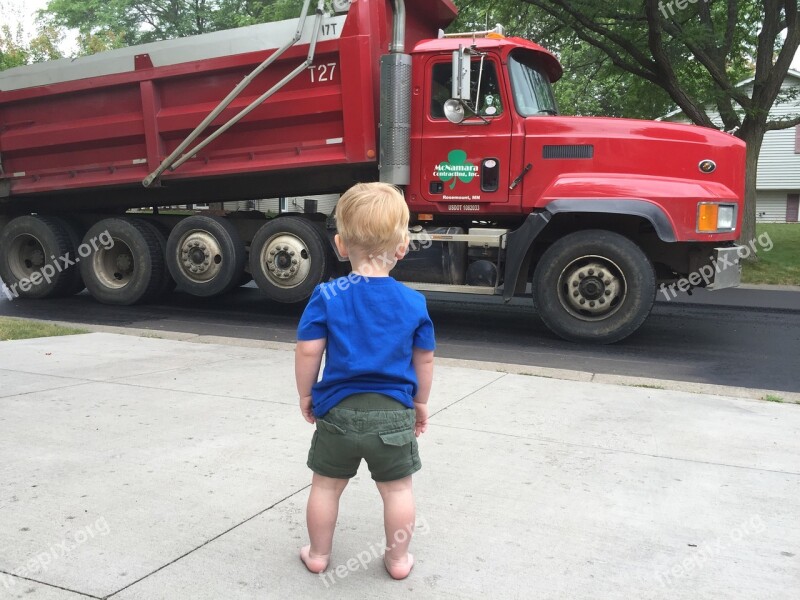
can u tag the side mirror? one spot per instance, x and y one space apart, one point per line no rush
454 111
461 84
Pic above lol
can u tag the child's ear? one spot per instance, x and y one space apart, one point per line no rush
340 246
402 248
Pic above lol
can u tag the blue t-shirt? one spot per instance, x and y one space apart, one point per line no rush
371 325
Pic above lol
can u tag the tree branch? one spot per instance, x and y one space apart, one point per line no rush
779 124
715 69
588 24
670 83
769 76
730 26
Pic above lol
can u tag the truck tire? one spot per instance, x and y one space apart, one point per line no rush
594 286
128 272
36 255
205 255
75 233
288 258
161 232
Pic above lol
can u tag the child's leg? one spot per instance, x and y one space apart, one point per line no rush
321 514
398 522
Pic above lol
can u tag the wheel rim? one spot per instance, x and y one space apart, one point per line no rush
199 256
26 257
592 288
285 260
114 267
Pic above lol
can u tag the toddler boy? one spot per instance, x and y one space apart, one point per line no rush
372 400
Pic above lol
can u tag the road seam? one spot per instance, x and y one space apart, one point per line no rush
473 392
616 450
207 542
52 585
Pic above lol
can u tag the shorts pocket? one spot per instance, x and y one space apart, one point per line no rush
329 427
397 438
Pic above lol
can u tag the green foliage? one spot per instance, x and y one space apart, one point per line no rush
107 24
15 51
12 49
44 46
593 84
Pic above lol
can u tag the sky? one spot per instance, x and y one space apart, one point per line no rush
23 12
14 12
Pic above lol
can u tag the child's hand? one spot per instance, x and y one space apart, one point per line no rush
421 424
305 408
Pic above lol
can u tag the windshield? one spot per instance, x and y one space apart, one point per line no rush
532 92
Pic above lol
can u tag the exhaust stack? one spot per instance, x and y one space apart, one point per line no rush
395 126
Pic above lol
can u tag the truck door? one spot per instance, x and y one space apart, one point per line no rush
465 167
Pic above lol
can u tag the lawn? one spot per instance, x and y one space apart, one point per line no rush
781 264
16 329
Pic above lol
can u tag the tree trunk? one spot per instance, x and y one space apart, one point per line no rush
753 136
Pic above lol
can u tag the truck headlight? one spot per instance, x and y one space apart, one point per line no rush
715 217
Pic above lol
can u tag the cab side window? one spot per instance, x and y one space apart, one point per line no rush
489 102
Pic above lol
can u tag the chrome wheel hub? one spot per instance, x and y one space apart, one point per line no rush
286 260
592 288
200 255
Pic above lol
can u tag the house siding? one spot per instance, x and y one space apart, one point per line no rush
778 163
771 206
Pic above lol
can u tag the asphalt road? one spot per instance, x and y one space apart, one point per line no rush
698 342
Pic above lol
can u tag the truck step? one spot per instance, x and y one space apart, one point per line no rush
457 289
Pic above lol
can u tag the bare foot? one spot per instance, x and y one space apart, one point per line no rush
315 564
399 569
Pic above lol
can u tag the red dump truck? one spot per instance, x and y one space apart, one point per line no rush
587 215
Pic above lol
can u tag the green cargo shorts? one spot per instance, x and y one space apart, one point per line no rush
370 426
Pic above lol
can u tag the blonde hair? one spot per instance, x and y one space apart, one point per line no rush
372 217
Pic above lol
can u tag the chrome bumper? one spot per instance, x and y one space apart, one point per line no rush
727 269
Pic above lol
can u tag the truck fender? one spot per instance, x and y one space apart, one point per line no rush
519 241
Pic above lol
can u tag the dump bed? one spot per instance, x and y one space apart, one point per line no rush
85 133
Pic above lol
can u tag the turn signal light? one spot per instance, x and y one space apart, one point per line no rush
707 218
715 218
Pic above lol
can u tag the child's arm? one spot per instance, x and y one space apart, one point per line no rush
307 361
423 367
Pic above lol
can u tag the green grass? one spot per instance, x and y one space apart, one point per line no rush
15 329
648 386
781 265
772 398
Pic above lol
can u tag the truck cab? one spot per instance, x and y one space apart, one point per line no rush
468 167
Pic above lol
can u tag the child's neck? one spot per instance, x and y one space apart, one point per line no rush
375 267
